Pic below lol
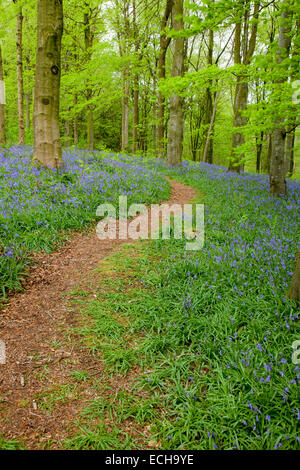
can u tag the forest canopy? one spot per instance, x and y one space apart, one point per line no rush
214 81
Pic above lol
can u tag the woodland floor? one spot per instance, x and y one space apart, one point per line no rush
40 397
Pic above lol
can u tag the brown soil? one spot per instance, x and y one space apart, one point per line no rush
41 351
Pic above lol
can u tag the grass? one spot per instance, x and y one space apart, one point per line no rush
10 444
203 339
196 346
39 208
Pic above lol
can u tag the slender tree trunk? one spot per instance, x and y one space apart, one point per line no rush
239 121
290 139
135 119
28 97
289 153
67 130
259 147
161 108
209 144
2 104
20 78
75 124
207 157
28 101
88 42
154 125
244 48
294 291
277 166
90 126
125 110
163 47
47 145
175 137
266 166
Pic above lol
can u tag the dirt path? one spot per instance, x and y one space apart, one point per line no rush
40 352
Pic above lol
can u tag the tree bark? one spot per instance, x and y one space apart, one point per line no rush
125 110
2 114
277 166
290 139
175 137
135 117
75 124
294 291
208 157
28 101
47 145
154 114
20 78
259 147
164 43
243 52
289 154
88 43
209 123
67 130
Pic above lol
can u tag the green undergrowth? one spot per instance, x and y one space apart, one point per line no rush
196 352
10 444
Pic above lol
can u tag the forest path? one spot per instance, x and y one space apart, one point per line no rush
37 403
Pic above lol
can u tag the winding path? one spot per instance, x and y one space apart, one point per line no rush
41 352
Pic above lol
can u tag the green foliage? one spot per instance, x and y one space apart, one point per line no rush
205 337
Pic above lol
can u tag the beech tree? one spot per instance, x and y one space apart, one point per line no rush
164 43
127 85
277 166
294 291
47 145
244 47
20 77
209 108
175 136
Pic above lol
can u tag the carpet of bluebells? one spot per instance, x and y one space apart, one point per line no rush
217 327
228 322
37 205
217 323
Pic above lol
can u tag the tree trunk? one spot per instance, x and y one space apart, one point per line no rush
125 110
75 125
2 104
259 147
175 137
28 97
161 109
266 161
88 43
135 119
208 149
289 154
47 145
294 291
67 130
277 166
28 100
239 121
164 43
244 48
20 78
290 139
90 126
209 144
154 125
